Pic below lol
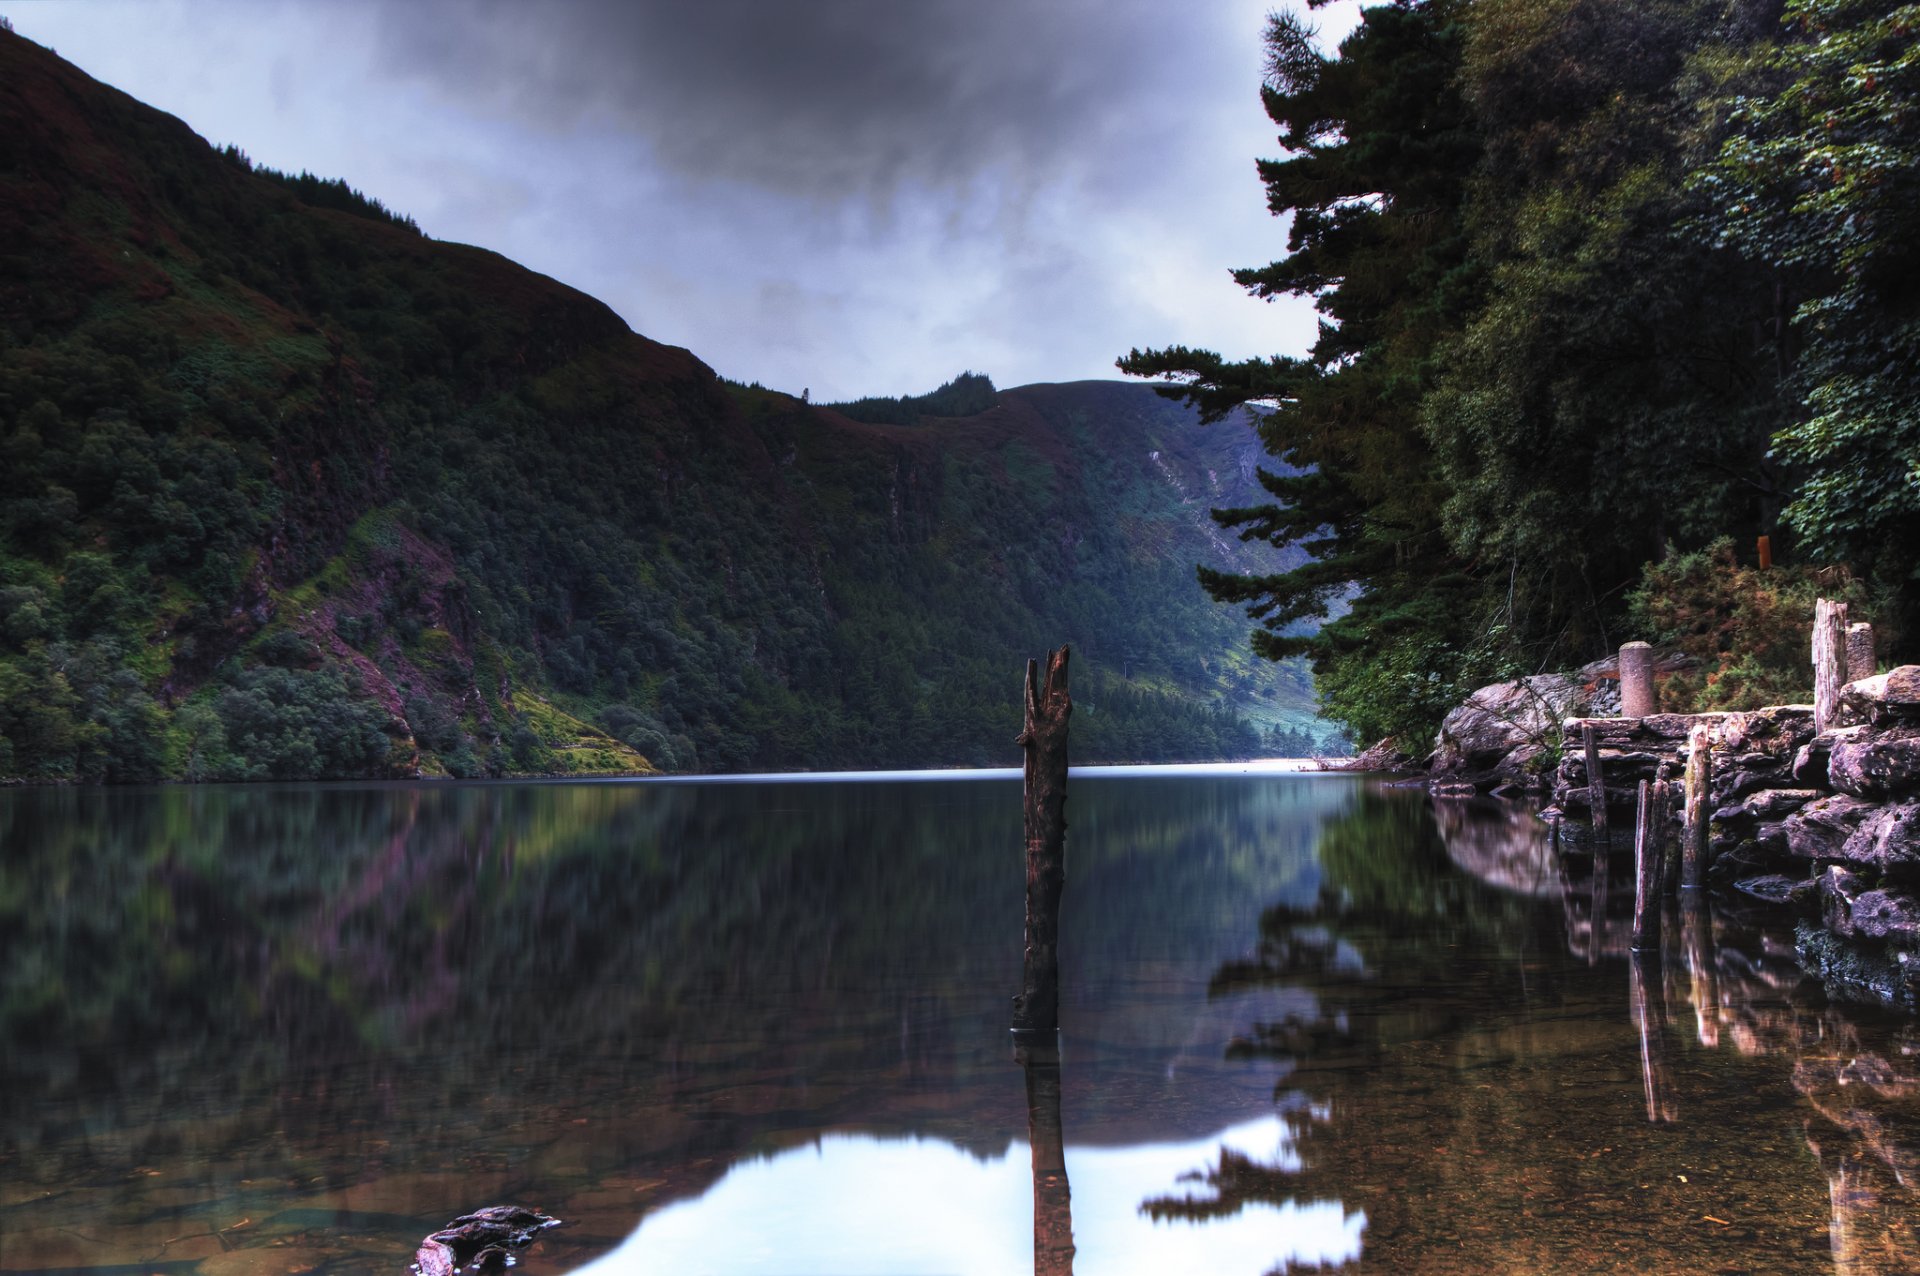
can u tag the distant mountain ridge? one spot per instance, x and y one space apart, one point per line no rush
290 491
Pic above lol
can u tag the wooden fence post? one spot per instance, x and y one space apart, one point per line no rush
1037 1008
1596 787
1860 654
1699 781
1829 660
1646 875
1636 680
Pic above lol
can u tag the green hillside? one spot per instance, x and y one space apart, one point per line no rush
289 489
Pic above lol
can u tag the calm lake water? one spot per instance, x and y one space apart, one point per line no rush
1308 1021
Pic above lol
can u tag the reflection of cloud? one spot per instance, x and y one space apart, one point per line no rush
853 1204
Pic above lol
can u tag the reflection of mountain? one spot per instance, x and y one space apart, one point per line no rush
400 1000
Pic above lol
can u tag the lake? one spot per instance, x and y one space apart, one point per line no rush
1308 1021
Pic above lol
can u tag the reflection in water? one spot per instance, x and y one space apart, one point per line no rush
762 1026
857 1204
1052 1193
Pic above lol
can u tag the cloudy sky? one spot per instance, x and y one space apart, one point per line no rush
850 196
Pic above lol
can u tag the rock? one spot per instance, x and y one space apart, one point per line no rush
1768 804
1854 910
1883 699
1384 756
1777 888
1818 830
1875 764
1504 731
1810 761
1854 971
1888 839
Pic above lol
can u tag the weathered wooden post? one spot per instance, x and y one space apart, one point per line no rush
1037 1008
1763 551
1052 1193
1829 660
1636 680
1663 791
1699 782
1860 654
1646 875
1596 787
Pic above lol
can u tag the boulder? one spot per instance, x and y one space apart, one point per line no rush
1811 760
1818 830
1883 699
1853 909
1872 764
1768 804
1504 732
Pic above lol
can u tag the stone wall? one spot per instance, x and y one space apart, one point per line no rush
1825 823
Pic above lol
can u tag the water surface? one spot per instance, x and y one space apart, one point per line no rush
1308 1020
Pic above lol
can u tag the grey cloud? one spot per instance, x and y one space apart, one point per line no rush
828 98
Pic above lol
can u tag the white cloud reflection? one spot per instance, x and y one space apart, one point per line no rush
855 1205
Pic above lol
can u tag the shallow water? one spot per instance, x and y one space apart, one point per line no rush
1308 1020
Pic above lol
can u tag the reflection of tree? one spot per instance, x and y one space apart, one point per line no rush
1462 1076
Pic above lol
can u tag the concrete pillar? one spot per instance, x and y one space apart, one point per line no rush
1636 680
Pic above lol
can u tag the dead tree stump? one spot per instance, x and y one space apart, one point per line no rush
1037 1008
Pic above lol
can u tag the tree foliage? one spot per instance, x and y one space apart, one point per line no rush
1558 245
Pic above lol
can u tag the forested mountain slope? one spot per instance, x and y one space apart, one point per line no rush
289 489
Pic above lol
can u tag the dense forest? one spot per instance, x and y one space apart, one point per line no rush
1608 291
289 489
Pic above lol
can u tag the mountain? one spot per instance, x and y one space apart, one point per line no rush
289 489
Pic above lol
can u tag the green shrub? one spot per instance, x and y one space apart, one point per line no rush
1751 630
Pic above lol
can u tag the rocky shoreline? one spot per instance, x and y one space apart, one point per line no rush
1824 823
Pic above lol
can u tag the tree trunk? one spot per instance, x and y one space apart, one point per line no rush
1037 1008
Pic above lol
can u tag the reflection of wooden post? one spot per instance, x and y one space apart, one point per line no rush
1650 1022
1037 1008
1693 862
1646 876
1860 654
1636 680
1596 787
1829 660
1052 1194
1697 938
1597 909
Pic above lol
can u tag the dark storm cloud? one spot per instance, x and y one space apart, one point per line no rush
823 99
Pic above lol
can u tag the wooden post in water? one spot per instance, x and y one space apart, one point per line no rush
1829 660
1699 781
1596 788
1646 875
1037 1008
1052 1194
1860 655
1663 834
1636 680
